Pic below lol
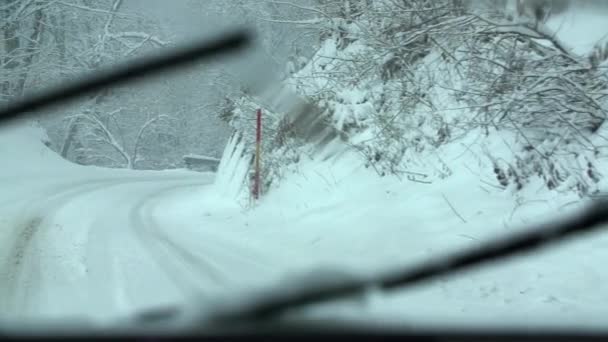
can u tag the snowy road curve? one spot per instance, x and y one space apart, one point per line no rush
94 247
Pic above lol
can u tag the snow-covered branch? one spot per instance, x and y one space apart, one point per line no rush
105 136
144 129
89 9
139 35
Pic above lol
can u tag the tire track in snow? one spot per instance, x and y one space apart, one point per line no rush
28 223
16 287
204 267
13 265
170 256
193 269
122 268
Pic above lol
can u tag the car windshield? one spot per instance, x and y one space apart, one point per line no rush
348 139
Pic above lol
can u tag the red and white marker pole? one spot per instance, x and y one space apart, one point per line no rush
258 150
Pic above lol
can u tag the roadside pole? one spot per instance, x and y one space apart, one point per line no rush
258 150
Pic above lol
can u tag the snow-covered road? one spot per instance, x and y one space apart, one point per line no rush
98 244
74 242
94 247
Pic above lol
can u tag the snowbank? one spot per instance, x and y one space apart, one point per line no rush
451 191
337 214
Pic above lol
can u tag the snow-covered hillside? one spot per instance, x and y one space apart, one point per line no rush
339 216
395 94
422 172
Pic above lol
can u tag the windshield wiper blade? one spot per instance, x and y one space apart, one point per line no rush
193 52
274 306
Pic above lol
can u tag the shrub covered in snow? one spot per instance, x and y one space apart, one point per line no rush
400 79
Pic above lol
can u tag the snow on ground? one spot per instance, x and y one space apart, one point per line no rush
337 215
340 217
102 244
81 241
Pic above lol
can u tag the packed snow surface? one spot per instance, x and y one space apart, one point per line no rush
96 243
